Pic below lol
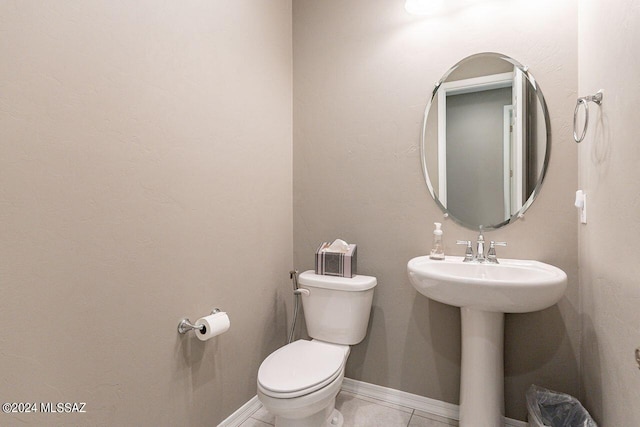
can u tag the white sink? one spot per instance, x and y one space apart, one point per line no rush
484 292
513 286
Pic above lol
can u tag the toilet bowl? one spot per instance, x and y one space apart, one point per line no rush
298 383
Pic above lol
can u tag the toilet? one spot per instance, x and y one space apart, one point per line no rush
298 383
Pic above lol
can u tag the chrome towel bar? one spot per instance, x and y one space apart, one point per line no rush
584 100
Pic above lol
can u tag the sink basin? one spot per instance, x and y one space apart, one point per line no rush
513 286
484 292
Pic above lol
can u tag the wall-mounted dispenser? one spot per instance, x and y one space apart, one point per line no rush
208 326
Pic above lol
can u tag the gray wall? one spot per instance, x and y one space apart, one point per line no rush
145 169
609 174
363 72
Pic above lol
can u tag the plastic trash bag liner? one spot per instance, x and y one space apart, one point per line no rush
553 409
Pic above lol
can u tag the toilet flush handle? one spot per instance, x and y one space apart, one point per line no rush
301 291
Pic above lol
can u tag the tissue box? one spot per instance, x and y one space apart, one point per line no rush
336 263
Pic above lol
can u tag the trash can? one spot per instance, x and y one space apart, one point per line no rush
549 408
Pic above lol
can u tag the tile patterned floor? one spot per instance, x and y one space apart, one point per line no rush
362 411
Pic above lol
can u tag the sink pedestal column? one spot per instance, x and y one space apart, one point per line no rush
482 376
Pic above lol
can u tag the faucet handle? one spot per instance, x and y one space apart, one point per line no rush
468 255
491 255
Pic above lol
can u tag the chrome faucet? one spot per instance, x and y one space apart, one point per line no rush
491 255
468 255
479 255
480 249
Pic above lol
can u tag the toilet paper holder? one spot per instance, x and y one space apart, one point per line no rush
185 324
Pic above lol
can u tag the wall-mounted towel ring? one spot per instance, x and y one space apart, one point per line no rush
597 98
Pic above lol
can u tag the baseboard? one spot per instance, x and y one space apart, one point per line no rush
242 414
402 398
421 403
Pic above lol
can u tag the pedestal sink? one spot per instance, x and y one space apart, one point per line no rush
484 292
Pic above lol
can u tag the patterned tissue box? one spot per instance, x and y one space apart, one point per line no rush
342 264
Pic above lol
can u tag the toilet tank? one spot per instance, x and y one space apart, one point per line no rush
337 309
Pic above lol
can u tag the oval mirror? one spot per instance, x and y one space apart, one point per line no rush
486 141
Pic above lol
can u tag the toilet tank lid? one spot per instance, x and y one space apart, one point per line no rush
349 284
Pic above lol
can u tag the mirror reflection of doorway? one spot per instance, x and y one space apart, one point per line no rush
475 145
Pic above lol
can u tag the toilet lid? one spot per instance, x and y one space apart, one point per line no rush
301 367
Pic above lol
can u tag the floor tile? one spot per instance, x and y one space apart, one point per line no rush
252 422
347 394
443 420
264 416
417 421
359 413
364 411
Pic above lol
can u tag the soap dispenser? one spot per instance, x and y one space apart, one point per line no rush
437 251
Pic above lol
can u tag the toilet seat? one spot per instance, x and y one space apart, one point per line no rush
300 368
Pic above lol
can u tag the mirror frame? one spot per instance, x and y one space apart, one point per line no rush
547 155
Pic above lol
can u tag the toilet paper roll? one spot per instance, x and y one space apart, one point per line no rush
214 324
